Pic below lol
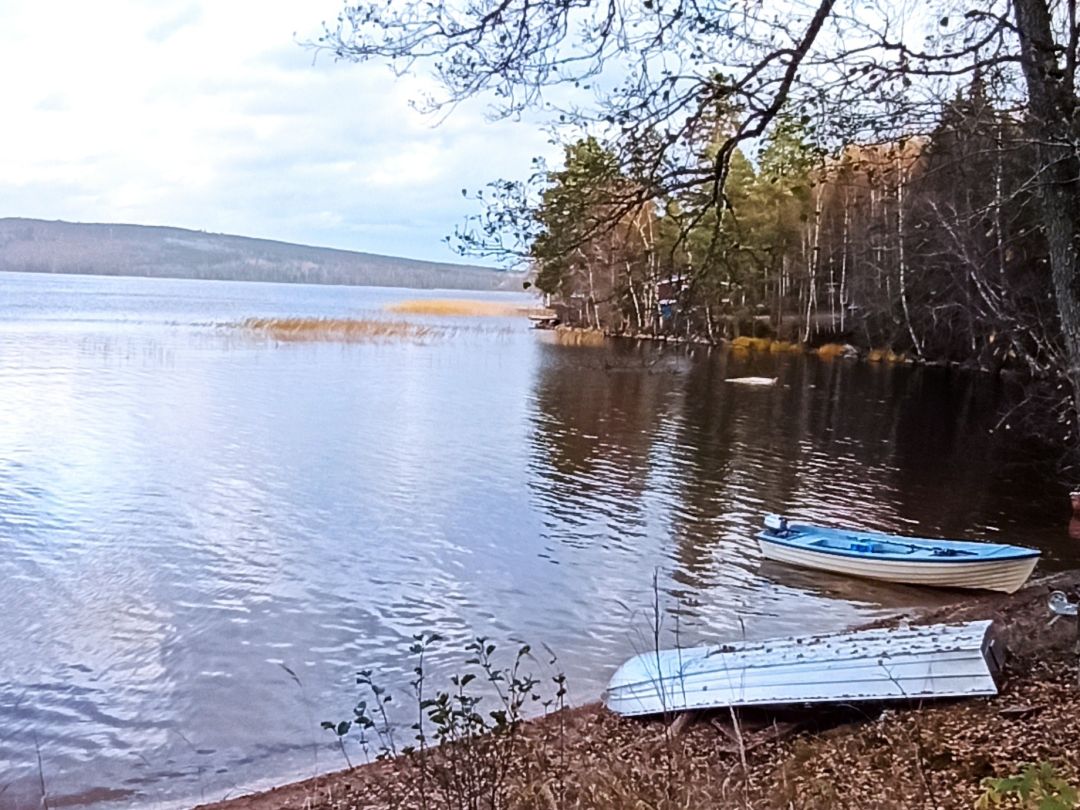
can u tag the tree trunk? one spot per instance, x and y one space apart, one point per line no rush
901 256
1052 104
812 264
843 260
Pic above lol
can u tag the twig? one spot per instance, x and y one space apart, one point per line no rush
41 775
680 724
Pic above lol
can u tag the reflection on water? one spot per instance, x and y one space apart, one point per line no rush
203 536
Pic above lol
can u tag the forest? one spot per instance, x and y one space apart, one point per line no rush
927 247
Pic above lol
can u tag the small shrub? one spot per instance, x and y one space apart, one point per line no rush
465 757
1038 787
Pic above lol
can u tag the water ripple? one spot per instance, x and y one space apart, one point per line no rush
202 538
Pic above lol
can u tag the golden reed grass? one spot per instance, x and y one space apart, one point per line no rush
885 356
577 337
340 329
748 344
831 350
458 307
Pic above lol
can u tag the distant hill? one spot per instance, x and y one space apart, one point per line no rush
39 246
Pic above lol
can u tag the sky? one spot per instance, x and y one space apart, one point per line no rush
213 116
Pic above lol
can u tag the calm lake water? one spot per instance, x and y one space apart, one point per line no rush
204 534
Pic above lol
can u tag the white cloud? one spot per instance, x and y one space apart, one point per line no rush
212 116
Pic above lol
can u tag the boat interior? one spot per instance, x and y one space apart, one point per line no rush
864 545
868 545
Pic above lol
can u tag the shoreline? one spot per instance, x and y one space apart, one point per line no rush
783 758
747 346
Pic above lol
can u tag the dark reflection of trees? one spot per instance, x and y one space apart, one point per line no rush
896 448
888 447
958 469
597 413
705 447
942 446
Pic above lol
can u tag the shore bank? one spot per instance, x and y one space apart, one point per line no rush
934 755
589 336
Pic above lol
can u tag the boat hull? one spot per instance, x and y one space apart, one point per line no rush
881 664
1006 575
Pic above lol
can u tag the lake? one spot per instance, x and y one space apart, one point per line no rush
205 532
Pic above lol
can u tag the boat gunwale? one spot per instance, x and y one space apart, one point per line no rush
701 703
658 682
1005 552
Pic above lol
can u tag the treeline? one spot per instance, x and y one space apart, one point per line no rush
37 246
930 246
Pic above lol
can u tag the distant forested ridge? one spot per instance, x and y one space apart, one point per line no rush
39 246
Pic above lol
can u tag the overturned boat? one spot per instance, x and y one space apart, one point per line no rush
893 558
907 663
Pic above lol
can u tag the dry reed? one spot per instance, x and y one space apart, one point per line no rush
458 307
831 350
352 330
780 346
885 356
576 336
745 343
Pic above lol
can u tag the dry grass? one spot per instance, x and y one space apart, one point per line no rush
359 330
458 308
885 356
831 350
575 336
752 344
746 344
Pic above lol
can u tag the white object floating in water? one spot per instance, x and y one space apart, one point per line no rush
752 380
931 661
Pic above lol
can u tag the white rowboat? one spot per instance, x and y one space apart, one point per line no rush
931 661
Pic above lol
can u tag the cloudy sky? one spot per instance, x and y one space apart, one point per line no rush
209 115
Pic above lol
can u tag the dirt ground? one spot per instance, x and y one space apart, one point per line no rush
935 755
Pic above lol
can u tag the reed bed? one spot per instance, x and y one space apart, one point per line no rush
753 344
830 351
886 356
351 330
458 307
747 344
575 336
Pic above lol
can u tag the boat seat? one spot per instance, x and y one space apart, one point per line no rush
864 546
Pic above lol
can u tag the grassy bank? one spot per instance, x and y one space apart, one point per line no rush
946 754
743 346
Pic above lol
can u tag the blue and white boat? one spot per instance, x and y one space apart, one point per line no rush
893 558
